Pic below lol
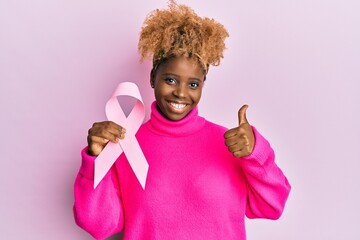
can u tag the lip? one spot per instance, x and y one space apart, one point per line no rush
177 109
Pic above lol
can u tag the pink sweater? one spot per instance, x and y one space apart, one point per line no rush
195 188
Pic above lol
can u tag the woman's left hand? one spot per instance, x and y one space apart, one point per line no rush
240 140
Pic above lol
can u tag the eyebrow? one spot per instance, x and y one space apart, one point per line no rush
175 75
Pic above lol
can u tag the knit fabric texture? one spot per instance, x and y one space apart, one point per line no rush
195 188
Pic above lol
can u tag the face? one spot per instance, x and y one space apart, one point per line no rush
178 84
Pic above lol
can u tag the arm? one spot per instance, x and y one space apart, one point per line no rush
98 211
267 188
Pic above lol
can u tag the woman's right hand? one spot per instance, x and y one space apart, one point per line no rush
101 133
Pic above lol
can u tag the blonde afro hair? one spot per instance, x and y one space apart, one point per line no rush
179 31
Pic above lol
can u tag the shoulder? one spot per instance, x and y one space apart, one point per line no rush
143 128
214 126
214 130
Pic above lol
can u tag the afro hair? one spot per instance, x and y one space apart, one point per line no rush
179 31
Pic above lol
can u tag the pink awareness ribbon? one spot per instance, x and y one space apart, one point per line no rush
129 145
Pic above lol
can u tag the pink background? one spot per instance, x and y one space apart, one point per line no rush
296 63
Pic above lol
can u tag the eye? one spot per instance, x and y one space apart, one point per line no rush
194 85
170 81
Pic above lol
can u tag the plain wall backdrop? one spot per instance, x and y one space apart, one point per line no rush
296 63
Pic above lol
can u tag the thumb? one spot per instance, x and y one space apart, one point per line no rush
242 114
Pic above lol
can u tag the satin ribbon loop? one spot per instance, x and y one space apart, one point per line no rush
129 144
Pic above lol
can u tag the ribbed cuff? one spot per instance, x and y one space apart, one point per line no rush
87 164
261 149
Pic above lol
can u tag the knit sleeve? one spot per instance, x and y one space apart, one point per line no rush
98 211
268 188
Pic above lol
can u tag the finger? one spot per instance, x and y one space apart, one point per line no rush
97 140
230 133
107 125
232 140
240 143
238 131
118 133
117 126
238 154
105 135
114 128
242 153
108 130
96 145
242 115
232 137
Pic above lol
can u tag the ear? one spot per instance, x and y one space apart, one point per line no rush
152 78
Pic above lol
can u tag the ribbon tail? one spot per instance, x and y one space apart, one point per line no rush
105 160
136 158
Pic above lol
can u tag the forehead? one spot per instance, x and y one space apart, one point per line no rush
182 66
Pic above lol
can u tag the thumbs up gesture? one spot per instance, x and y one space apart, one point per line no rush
240 140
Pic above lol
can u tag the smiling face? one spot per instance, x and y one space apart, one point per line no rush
178 84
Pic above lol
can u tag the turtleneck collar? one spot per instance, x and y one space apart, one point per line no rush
163 126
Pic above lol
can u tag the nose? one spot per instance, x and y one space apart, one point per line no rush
180 91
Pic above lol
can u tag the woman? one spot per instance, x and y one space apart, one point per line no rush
203 179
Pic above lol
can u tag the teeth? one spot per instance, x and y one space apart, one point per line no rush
177 105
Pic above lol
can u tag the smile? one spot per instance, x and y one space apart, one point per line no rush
177 107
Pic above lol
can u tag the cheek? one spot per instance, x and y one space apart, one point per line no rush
197 95
161 90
